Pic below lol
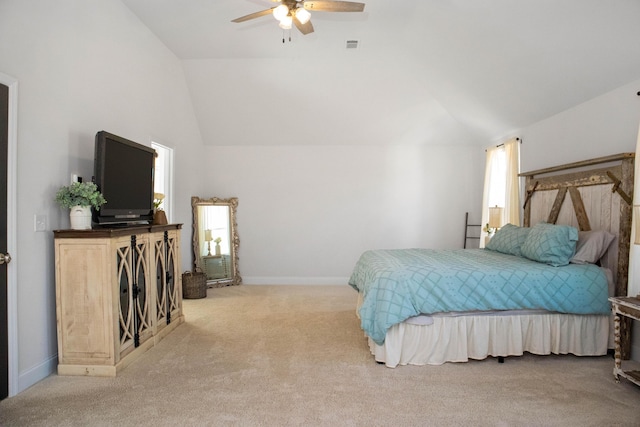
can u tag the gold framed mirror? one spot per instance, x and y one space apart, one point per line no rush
215 240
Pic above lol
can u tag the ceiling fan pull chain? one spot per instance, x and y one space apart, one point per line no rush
284 36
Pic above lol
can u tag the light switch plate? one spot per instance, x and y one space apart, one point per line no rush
40 223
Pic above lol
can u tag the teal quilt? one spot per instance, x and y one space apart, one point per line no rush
400 283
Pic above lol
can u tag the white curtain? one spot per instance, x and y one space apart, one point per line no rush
512 183
502 184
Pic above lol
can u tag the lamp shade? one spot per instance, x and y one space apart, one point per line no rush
285 23
207 235
280 12
495 217
303 15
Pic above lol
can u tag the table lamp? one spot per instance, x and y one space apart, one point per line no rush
208 239
495 217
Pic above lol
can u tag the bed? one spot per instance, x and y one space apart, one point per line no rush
541 288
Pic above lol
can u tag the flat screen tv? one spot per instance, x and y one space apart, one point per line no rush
123 171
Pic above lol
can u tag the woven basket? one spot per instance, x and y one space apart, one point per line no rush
194 285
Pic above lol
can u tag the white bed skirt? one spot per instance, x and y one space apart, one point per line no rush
458 339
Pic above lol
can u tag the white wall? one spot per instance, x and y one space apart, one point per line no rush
82 67
306 213
604 125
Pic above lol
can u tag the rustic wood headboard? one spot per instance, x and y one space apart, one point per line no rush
601 192
600 199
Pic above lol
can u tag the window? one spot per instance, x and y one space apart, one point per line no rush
163 180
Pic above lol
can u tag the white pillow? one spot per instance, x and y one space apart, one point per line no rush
591 246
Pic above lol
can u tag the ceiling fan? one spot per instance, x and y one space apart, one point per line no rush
294 12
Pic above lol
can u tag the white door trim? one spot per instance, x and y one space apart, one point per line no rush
12 270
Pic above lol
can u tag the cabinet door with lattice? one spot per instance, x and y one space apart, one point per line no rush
167 286
132 281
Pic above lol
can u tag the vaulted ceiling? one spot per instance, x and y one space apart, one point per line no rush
424 72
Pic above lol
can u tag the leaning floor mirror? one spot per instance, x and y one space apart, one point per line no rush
215 240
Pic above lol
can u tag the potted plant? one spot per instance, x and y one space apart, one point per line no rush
159 217
80 197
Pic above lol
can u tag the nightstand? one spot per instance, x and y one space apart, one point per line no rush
216 266
627 307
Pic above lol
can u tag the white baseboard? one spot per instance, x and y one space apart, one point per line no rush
255 280
37 373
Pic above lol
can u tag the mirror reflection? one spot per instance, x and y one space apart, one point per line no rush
215 240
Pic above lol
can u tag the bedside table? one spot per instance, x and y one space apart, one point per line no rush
627 307
216 266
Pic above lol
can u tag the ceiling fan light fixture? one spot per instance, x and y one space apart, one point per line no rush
280 12
286 22
303 15
290 12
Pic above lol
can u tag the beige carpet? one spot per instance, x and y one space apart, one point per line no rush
295 355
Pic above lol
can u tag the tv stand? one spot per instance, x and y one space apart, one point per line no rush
118 293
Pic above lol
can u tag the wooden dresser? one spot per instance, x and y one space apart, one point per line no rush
118 293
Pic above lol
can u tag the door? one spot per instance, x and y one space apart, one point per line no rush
4 319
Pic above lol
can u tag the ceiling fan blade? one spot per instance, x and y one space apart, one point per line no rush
254 15
334 6
304 28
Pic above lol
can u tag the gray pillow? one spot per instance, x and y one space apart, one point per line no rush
591 246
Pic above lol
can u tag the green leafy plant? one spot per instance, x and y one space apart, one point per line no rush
489 230
80 194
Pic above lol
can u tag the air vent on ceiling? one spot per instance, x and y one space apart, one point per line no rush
352 44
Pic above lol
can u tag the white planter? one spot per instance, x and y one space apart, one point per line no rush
80 217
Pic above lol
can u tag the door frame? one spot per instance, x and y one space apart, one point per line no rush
12 270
